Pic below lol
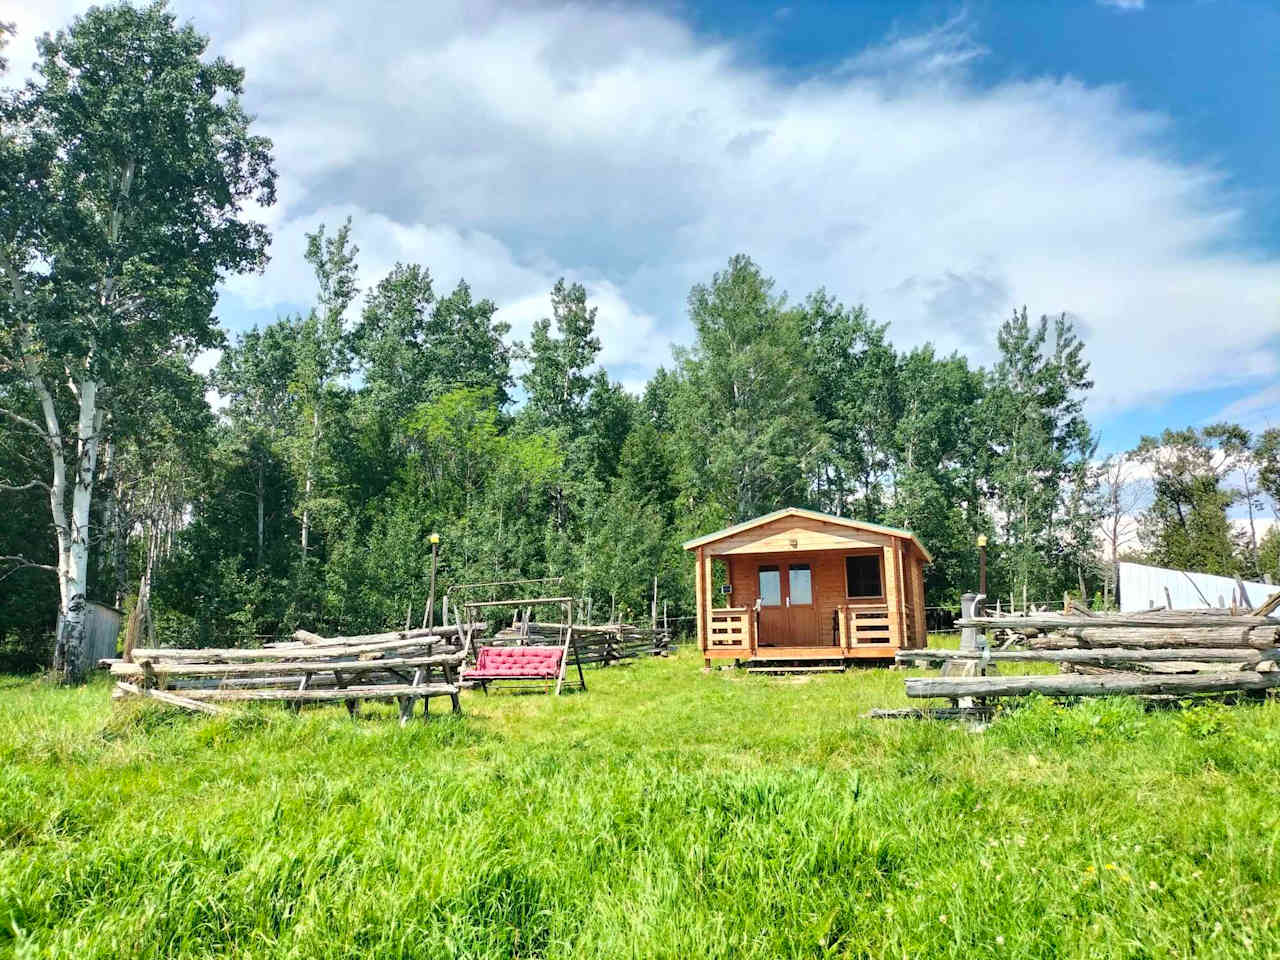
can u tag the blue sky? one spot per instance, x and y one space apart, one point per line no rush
940 163
1212 66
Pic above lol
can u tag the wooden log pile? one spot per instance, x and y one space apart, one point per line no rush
599 644
1158 654
404 666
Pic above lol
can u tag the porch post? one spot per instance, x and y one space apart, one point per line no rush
708 597
921 639
893 594
699 589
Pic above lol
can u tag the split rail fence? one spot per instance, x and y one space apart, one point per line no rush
1157 654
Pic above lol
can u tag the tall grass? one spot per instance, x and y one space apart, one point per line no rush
666 813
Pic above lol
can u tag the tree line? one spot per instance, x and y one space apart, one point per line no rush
345 435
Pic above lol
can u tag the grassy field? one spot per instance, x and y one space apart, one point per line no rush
666 813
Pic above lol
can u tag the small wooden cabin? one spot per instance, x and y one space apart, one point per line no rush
800 585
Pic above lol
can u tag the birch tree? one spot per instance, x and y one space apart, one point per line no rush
249 375
127 165
323 364
1121 494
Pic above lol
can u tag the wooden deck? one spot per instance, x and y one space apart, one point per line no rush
876 651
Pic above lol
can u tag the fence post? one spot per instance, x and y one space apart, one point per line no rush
971 638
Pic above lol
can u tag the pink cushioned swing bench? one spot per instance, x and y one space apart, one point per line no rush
530 665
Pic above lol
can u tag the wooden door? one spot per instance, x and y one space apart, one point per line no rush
774 627
802 611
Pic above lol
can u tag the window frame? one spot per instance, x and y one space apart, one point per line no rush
808 568
878 554
774 569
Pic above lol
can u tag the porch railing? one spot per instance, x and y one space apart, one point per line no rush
864 625
732 628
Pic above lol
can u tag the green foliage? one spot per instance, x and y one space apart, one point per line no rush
858 396
744 412
1269 554
1186 526
127 173
558 379
133 169
1039 450
1267 451
6 31
412 347
26 614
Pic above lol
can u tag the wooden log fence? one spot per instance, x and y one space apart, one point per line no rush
403 666
1156 654
600 644
1080 685
1101 656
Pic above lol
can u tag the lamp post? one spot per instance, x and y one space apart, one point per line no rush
982 563
429 615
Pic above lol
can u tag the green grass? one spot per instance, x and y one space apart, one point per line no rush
666 813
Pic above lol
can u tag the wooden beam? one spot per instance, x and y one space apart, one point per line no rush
1084 685
1163 618
240 655
893 595
1098 656
699 603
708 587
1270 606
922 626
385 691
1259 637
530 601
172 699
278 667
311 639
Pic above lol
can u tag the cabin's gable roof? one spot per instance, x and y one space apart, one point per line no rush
810 515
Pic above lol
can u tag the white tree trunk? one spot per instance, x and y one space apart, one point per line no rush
73 564
306 490
261 498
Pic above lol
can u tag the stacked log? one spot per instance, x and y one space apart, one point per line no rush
603 644
1157 653
405 666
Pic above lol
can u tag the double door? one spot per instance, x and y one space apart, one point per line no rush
788 615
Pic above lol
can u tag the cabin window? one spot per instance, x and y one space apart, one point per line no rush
862 576
800 583
770 587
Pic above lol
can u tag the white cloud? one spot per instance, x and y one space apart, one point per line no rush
514 144
1128 5
1257 411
